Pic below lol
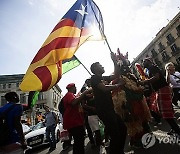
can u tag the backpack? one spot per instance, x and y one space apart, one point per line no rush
4 128
61 107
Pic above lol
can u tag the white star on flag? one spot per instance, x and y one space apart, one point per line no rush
82 12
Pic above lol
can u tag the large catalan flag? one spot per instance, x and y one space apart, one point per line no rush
82 22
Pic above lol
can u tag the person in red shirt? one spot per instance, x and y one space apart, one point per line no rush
73 119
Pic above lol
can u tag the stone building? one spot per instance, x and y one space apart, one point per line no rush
164 48
51 97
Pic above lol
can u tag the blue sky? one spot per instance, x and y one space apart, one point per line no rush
129 25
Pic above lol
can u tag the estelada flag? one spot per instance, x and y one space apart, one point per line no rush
82 22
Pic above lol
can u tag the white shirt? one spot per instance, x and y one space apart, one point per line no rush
175 82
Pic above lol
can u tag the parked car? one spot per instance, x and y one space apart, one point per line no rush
37 136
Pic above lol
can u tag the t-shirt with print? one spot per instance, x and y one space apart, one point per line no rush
73 116
161 82
103 100
16 111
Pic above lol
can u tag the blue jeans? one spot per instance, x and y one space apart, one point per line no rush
50 135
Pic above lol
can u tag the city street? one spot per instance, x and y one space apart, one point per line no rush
165 144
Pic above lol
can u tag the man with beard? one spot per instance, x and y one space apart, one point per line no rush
104 105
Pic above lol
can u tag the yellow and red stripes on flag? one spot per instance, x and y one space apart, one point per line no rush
42 78
61 44
67 36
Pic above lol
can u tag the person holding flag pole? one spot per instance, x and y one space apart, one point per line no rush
150 94
82 22
104 105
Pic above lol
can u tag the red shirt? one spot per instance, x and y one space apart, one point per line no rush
73 116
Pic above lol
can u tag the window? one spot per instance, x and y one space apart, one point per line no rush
153 52
161 47
22 98
9 85
40 96
178 30
170 39
17 84
174 48
165 57
3 100
4 86
178 60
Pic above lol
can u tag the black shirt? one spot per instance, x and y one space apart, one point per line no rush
161 82
103 100
90 101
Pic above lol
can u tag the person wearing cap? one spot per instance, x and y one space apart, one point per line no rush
161 86
104 105
16 142
73 119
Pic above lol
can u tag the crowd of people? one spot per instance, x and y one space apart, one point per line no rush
122 102
125 104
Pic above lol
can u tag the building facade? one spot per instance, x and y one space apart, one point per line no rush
164 48
51 97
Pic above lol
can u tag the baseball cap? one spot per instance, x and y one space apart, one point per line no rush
70 85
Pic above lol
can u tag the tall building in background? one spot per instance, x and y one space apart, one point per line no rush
51 97
164 48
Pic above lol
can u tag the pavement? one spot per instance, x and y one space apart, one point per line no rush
162 143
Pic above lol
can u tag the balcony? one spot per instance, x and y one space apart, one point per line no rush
154 54
171 41
161 48
174 53
165 58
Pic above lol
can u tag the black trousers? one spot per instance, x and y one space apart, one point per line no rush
117 131
176 96
89 131
78 136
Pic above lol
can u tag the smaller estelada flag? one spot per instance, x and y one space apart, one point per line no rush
32 98
70 64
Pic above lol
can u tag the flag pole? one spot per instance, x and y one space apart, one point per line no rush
100 28
83 66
